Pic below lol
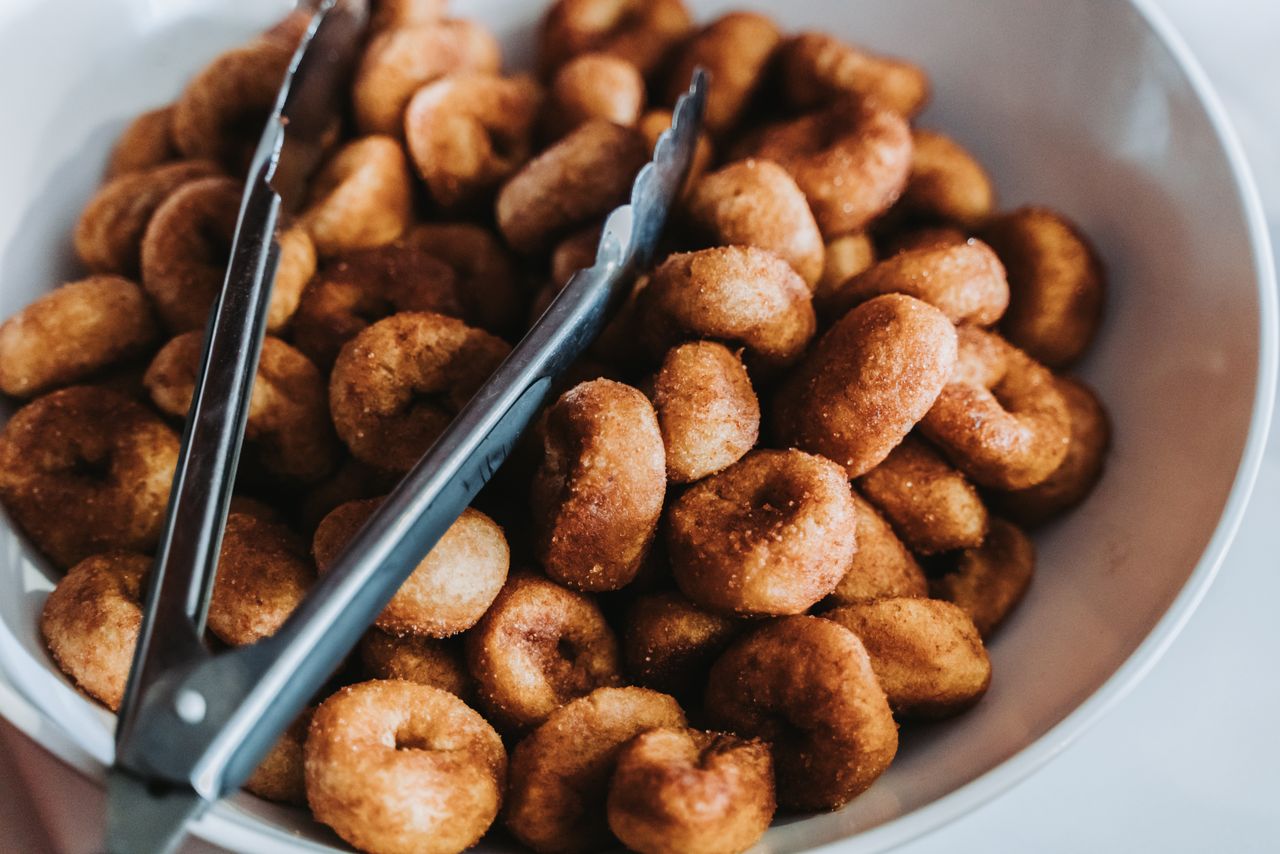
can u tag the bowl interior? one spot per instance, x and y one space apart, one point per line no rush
1080 106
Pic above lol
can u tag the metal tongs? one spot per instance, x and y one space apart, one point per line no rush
194 724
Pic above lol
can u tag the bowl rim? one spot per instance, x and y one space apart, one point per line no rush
227 825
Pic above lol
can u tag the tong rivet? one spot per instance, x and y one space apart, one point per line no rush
190 706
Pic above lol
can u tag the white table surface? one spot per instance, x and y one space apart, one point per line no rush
1188 762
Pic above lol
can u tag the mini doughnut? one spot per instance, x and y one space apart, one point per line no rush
843 258
398 384
735 50
989 581
684 791
771 534
73 332
470 131
926 654
743 296
489 286
966 282
538 647
288 428
145 142
390 14
756 203
263 573
707 410
360 198
867 382
946 182
1000 419
594 86
560 773
930 505
816 68
90 623
668 642
642 32
427 661
1080 470
449 589
851 160
882 566
1056 281
400 60
924 237
580 178
598 492
400 768
87 470
806 686
280 776
108 235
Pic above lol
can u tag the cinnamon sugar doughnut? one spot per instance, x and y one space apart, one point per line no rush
427 661
844 257
882 566
946 182
816 68
987 582
642 32
360 198
263 573
594 86
922 237
735 50
489 285
280 775
669 643
145 142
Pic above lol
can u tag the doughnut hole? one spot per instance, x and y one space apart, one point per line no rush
360 198
643 32
668 642
815 68
735 50
987 582
427 661
145 142
280 776
594 86
946 182
882 566
263 573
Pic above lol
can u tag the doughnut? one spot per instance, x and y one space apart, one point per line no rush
560 773
668 643
684 791
263 573
90 623
987 582
427 661
643 32
489 286
538 647
594 86
355 288
86 470
926 654
390 14
946 184
843 258
743 296
395 767
1000 419
579 179
851 159
756 203
145 142
806 686
108 235
1056 281
867 382
352 480
771 534
279 776
598 492
73 332
468 132
707 410
288 429
923 237
400 60
882 566
398 384
1080 470
449 589
360 198
294 269
735 50
930 505
815 68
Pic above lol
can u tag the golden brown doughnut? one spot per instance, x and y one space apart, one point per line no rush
560 773
926 654
816 68
684 791
598 492
668 642
594 86
90 623
882 566
360 198
145 142
538 647
389 14
489 286
756 203
280 775
843 258
930 505
771 534
449 589
1056 281
427 661
946 182
735 50
73 332
400 768
580 178
263 573
989 581
805 685
867 382
87 470
707 410
1000 419
642 32
398 384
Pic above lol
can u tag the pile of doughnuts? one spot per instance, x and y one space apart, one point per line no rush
774 515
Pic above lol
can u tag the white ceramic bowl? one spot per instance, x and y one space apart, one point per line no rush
1093 108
